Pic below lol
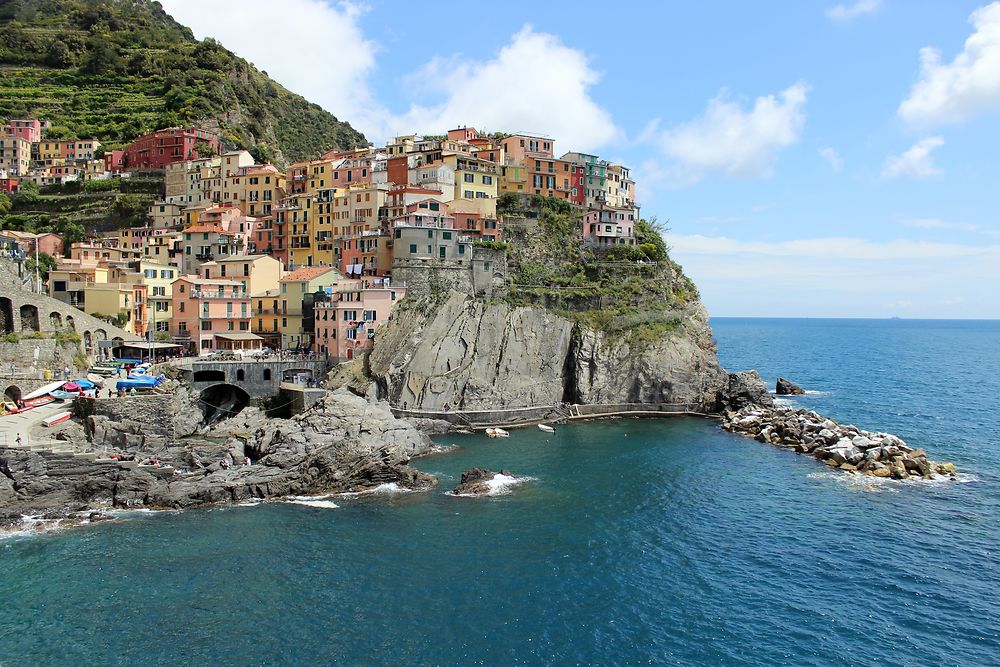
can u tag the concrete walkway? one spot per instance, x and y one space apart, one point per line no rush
24 422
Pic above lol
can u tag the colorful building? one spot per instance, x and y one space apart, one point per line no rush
212 314
28 129
15 156
297 292
173 144
345 324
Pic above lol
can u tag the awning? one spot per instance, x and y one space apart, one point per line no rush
138 345
238 336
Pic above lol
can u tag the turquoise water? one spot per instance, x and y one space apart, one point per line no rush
637 542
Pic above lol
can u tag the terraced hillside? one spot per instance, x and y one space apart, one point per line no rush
114 69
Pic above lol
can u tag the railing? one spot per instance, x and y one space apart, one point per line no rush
198 294
205 256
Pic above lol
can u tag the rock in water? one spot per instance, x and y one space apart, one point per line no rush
476 482
785 387
745 389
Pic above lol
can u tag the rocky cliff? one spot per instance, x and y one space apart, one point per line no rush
477 355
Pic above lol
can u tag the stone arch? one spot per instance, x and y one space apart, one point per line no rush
29 318
6 315
209 375
55 321
70 323
240 375
221 401
88 341
12 393
100 334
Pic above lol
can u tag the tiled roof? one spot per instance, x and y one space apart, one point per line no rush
306 273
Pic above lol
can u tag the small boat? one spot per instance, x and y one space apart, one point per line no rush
57 418
106 370
497 433
96 379
72 388
546 428
61 395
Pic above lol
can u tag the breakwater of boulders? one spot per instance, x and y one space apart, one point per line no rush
841 446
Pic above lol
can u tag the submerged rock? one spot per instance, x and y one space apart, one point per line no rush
785 387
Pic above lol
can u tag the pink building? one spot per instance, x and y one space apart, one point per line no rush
173 144
27 129
213 315
346 324
9 185
607 226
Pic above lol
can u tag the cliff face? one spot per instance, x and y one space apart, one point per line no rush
475 355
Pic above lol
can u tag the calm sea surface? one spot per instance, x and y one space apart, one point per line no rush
636 542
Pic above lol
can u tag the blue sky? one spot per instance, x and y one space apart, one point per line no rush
813 158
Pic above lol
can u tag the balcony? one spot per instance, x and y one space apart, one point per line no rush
198 294
204 256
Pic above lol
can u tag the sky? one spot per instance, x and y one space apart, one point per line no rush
809 158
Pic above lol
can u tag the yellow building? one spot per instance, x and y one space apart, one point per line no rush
158 279
293 289
15 156
259 189
256 273
295 216
474 178
164 247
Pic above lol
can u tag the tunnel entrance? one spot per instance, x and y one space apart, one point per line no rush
12 394
222 401
6 315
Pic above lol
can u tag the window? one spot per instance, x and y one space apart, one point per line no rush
446 236
469 194
435 206
469 178
487 180
350 315
352 334
461 248
369 316
413 248
206 326
441 252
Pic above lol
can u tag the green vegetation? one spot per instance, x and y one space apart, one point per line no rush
46 263
635 291
118 319
115 69
67 337
10 338
493 245
81 361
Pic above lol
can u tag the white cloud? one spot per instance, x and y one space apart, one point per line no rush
535 83
916 162
947 225
311 47
841 277
969 85
832 156
734 141
847 12
833 248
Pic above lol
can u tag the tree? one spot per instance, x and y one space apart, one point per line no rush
5 204
59 55
27 193
650 233
46 263
129 210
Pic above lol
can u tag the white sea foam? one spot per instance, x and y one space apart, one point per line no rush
389 488
887 484
312 501
500 485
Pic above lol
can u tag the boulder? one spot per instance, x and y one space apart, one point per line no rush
476 482
785 387
746 388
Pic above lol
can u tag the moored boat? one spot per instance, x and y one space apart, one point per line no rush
546 428
57 418
497 433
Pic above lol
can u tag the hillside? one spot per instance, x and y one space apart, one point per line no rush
114 69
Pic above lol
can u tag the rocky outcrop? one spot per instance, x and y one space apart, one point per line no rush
343 443
477 355
743 389
783 387
842 446
482 482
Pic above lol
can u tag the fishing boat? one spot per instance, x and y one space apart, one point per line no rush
546 428
96 379
497 433
57 418
61 395
103 369
40 396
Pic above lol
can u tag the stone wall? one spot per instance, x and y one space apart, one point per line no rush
479 276
258 378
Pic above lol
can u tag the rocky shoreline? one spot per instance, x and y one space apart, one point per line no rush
842 446
343 444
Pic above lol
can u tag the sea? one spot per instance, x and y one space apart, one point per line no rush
626 542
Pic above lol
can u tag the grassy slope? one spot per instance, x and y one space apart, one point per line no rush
113 69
